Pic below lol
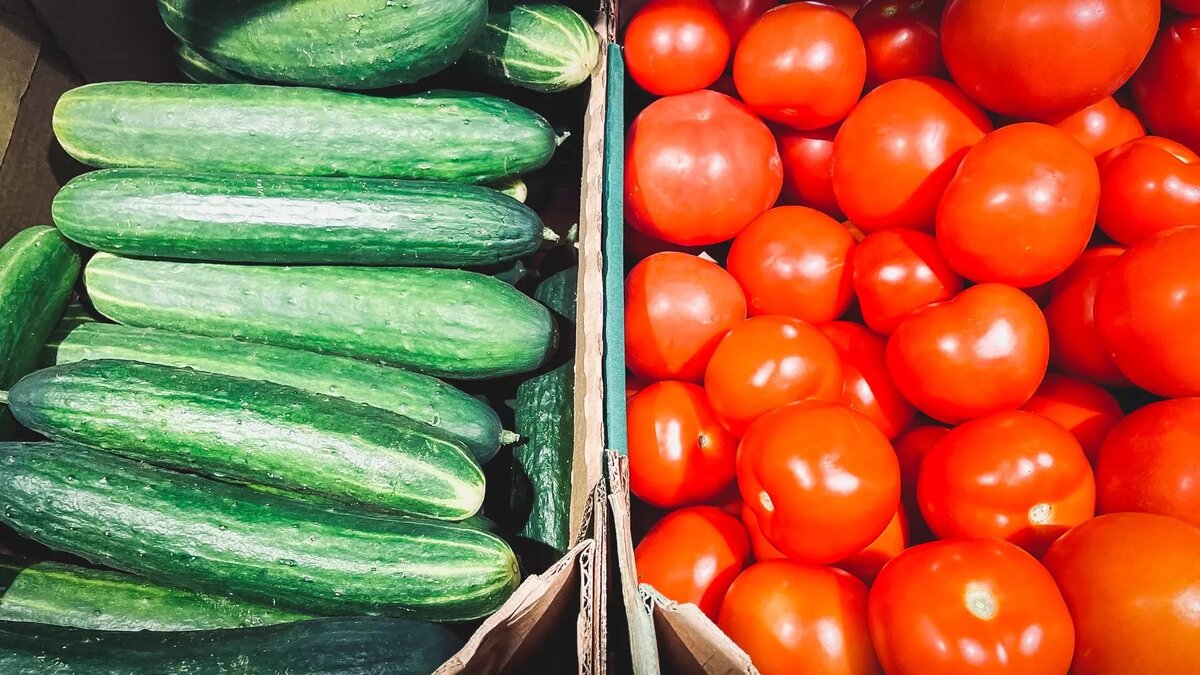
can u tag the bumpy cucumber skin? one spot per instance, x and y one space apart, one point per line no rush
545 414
200 70
541 46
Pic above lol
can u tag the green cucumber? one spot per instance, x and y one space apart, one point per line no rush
66 595
254 433
446 323
76 314
200 70
559 292
297 131
513 186
348 44
38 270
295 219
543 46
189 531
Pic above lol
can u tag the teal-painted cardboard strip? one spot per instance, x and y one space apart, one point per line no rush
614 254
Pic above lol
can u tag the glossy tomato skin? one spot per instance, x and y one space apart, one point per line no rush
821 479
699 167
1131 580
767 362
1043 59
677 309
982 352
1102 126
897 272
896 152
692 555
866 563
807 168
784 613
868 385
1148 185
1021 208
969 606
738 15
1166 89
801 64
1075 345
1084 409
901 37
676 46
762 549
911 448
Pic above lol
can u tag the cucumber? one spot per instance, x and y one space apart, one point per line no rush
342 646
189 531
76 314
297 131
198 69
559 292
446 323
418 397
254 433
543 46
513 186
295 219
66 595
348 44
38 270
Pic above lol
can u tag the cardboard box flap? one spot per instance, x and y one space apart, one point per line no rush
690 642
642 641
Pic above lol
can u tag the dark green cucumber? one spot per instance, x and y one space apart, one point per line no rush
200 70
75 314
418 397
560 293
446 323
219 538
543 46
295 219
348 44
66 595
350 646
38 270
296 131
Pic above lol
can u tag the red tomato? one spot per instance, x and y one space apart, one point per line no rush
866 563
1148 185
699 167
821 480
763 549
768 362
1151 462
1087 411
639 245
897 272
1043 59
807 178
1166 88
1147 311
677 308
1131 582
1185 6
1102 126
868 386
801 64
898 149
633 384
1075 345
982 352
969 606
676 46
911 448
795 261
784 613
1021 208
901 37
692 555
1012 475
739 14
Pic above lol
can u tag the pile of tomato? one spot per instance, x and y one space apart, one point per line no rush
913 330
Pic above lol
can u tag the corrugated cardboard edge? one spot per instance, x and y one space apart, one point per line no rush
690 642
642 641
599 585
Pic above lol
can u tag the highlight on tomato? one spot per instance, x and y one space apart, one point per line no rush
868 386
1084 409
1148 185
897 272
676 46
1102 126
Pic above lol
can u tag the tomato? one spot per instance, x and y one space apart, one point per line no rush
969 606
911 448
1166 89
1151 462
1185 6
738 15
868 386
897 272
821 480
901 37
1102 126
795 261
676 46
898 149
763 549
1131 582
767 362
699 167
807 176
1043 59
1087 411
677 309
1021 208
801 64
1075 345
1147 309
639 245
633 384
982 352
866 563
1148 185
692 555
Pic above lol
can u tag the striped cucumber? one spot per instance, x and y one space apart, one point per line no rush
543 46
200 70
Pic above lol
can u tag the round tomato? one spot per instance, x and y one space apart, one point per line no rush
911 448
763 549
794 261
738 15
1131 581
1021 208
1075 345
767 362
801 64
901 37
1166 88
676 46
898 149
1087 411
897 272
868 386
807 178
982 352
1102 126
866 563
969 606
677 309
692 555
785 613
821 480
699 167
1148 185
1043 59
